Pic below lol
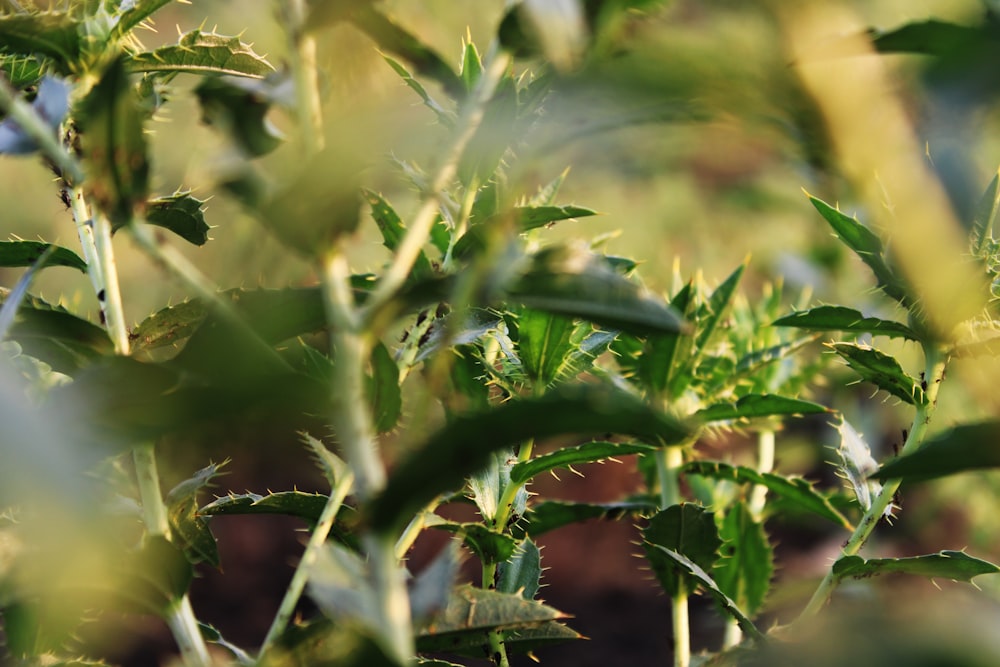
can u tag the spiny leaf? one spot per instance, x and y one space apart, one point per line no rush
758 405
955 565
384 391
393 230
881 370
717 306
467 442
524 218
489 545
445 117
795 489
551 514
139 12
522 573
931 37
744 570
21 71
114 145
472 65
200 52
698 574
55 35
962 448
839 318
26 253
239 107
983 223
168 326
586 453
308 506
686 528
544 341
866 245
182 213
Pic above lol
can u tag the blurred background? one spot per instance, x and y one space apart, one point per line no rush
694 138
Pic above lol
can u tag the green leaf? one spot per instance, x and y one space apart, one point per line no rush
472 66
525 218
954 565
445 117
466 443
660 361
110 120
746 563
881 370
210 634
931 37
393 230
796 490
984 221
839 318
551 514
575 283
490 546
198 52
494 136
239 108
383 389
717 306
759 405
697 573
430 589
139 12
157 576
168 326
54 35
181 213
472 613
686 528
544 341
866 245
569 456
52 334
962 448
26 253
522 574
308 506
21 71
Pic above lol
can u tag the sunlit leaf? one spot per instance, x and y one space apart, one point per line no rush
959 449
931 37
759 405
444 116
465 444
139 11
569 456
21 70
983 224
955 565
544 341
840 318
881 370
26 253
200 52
472 66
182 213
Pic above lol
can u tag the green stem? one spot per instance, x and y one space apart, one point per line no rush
668 464
13 104
110 296
88 242
316 541
682 627
419 228
497 648
302 60
180 616
935 364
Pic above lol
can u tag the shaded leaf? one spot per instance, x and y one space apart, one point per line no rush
523 218
308 506
157 575
430 589
383 389
881 370
168 326
795 489
931 37
21 71
522 573
544 341
984 221
685 528
198 52
746 563
839 318
110 121
393 230
551 514
26 253
490 546
181 213
569 456
698 573
239 108
954 565
466 443
759 405
210 634
959 449
55 35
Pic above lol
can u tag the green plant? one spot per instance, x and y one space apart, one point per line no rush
512 337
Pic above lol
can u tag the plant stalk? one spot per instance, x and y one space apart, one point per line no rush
88 241
110 296
668 464
935 364
302 57
682 627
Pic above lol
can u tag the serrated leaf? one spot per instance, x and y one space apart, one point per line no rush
544 341
984 221
21 71
168 326
472 613
52 334
522 573
198 52
524 218
881 370
857 465
489 545
698 573
866 245
575 283
959 449
552 514
383 389
717 306
181 213
685 528
466 443
795 489
569 456
114 147
758 405
139 12
55 35
26 253
840 318
954 565
393 230
746 564
308 506
210 634
239 108
445 117
658 361
753 361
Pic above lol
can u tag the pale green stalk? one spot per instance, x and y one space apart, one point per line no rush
302 58
110 295
935 363
668 464
18 109
316 541
88 242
